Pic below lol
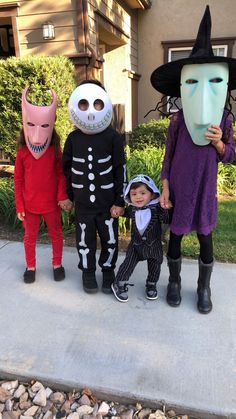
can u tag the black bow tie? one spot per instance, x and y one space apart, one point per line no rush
140 209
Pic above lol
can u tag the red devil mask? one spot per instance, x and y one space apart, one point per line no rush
38 124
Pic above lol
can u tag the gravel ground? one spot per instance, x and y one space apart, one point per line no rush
33 400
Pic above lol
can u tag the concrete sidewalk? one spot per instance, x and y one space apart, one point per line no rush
141 350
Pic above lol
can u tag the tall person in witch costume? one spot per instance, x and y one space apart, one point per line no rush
199 137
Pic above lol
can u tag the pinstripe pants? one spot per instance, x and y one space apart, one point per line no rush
131 260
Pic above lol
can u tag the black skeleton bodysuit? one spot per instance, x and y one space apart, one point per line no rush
94 166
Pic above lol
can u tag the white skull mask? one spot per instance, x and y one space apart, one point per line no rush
90 108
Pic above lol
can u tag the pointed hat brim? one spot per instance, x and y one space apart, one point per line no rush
166 78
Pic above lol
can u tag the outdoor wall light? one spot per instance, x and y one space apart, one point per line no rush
48 30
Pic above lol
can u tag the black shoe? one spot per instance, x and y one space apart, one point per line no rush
29 276
121 291
108 279
89 282
59 273
151 291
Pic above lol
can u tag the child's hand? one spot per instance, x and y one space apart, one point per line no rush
66 204
116 211
214 134
21 216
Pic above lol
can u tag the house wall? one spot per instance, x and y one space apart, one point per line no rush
118 59
120 24
169 20
34 13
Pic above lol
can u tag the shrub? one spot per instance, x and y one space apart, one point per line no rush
42 74
147 161
234 130
7 203
151 133
226 182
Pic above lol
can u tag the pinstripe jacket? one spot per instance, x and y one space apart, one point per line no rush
148 245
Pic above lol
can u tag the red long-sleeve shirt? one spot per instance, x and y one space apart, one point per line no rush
39 184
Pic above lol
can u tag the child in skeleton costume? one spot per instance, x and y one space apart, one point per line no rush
39 182
94 165
144 209
199 137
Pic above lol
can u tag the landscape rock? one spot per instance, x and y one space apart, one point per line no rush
84 410
4 395
74 415
24 405
10 385
31 411
37 386
144 413
57 397
128 414
40 399
10 415
19 391
33 400
158 414
84 399
103 409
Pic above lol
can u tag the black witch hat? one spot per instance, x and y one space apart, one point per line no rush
166 78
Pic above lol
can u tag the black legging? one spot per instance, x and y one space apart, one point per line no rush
206 247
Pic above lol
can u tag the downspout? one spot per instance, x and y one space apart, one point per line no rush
93 56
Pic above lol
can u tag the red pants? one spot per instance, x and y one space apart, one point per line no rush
31 224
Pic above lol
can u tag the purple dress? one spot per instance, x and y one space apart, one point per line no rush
192 174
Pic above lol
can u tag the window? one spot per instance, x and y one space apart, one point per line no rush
6 41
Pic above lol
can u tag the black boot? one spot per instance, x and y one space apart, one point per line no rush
89 282
173 296
204 303
108 279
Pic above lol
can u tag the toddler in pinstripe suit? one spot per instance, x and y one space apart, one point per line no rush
142 196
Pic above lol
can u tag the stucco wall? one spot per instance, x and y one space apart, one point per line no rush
122 58
169 20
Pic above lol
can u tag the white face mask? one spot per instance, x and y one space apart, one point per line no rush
90 108
203 94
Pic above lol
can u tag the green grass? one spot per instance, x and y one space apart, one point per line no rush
224 236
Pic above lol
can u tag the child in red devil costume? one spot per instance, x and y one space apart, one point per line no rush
40 186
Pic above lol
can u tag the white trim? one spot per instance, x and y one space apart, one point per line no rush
104 160
106 171
109 186
77 172
79 160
